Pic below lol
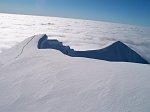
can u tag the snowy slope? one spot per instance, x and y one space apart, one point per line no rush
45 80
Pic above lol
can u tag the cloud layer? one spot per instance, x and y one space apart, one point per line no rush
79 34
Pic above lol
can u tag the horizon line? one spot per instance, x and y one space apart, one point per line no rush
86 19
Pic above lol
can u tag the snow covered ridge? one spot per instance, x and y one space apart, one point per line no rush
118 51
45 80
78 34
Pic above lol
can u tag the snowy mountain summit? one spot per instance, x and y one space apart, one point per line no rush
46 80
117 51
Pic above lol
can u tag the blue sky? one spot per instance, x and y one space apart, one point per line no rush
121 11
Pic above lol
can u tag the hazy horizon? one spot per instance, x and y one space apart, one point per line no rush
134 12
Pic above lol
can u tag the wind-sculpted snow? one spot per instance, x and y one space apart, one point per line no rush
118 51
45 80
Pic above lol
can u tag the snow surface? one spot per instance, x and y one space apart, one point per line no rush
45 80
78 34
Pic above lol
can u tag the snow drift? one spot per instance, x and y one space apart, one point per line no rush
118 51
45 80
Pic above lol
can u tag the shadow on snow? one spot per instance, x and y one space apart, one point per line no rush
116 52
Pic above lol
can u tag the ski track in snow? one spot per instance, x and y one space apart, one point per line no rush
24 47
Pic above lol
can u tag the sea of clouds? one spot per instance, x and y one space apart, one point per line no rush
79 34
